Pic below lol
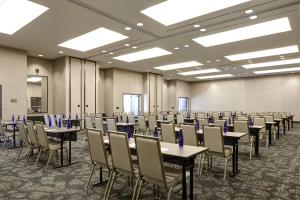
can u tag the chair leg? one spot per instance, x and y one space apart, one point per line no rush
19 154
251 146
135 188
108 184
111 185
139 189
67 153
50 155
29 152
225 169
201 165
169 193
3 144
88 183
267 141
37 159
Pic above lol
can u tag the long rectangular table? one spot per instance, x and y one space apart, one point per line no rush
172 153
61 133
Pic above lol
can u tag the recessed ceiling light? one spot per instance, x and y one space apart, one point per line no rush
204 71
264 53
218 60
174 11
273 63
140 24
208 61
93 39
250 61
233 67
134 47
15 14
215 76
178 65
103 51
203 29
111 53
244 33
253 17
186 45
144 54
249 11
176 48
282 58
126 45
196 26
61 52
109 62
278 70
40 55
127 28
148 70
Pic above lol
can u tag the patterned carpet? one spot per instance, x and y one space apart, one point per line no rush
273 175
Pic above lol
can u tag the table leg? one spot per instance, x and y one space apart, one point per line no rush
233 159
235 167
14 136
70 148
192 181
256 143
270 135
292 122
184 195
288 120
237 156
284 126
61 149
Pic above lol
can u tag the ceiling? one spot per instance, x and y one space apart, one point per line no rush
67 19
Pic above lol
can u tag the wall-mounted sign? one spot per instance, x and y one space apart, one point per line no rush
13 101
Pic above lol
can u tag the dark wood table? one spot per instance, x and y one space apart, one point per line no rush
62 133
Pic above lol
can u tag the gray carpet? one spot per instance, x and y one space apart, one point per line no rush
273 175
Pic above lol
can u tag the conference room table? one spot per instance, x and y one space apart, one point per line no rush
189 120
172 153
7 123
232 139
63 133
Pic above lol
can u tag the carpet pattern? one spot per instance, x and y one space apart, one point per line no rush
273 175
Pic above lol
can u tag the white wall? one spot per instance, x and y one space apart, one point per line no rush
45 67
268 93
13 78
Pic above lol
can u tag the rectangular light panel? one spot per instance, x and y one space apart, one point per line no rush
273 63
93 39
292 69
175 11
244 33
178 65
264 53
215 76
144 54
204 71
15 14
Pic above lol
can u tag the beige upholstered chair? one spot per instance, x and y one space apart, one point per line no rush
152 122
215 115
214 141
131 119
180 119
45 145
201 116
160 117
32 135
152 170
261 121
111 124
88 122
242 126
142 124
220 122
202 122
122 163
170 118
270 118
24 138
99 123
192 115
244 118
99 156
168 133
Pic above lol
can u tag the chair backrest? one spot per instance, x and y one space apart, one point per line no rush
151 169
131 119
1 129
203 121
41 135
192 115
23 134
57 119
213 138
180 119
226 114
241 126
32 134
220 122
142 123
215 115
284 115
242 118
168 133
111 124
97 148
189 135
120 153
99 123
277 116
269 118
46 119
201 116
170 118
160 117
124 117
152 122
53 121
260 121
88 122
